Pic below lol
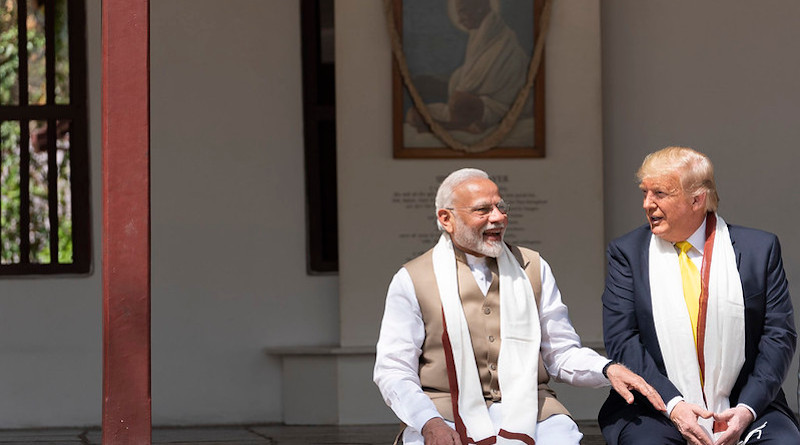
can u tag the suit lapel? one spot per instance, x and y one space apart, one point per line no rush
735 249
645 272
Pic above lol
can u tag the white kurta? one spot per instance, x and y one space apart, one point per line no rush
403 333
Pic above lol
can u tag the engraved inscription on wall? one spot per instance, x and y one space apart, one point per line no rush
416 207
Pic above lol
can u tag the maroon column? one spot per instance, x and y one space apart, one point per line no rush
126 223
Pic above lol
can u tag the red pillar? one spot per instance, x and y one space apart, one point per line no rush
126 223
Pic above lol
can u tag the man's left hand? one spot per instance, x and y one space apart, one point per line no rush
737 419
623 380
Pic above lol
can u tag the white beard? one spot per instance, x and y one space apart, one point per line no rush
473 240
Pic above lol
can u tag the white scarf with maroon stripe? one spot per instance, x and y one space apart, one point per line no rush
724 328
517 364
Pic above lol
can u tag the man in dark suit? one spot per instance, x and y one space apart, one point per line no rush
701 310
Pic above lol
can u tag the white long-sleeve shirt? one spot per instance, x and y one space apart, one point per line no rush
403 333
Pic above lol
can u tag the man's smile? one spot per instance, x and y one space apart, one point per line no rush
494 234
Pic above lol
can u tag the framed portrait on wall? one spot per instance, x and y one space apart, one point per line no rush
469 61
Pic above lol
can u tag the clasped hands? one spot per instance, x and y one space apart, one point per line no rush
685 416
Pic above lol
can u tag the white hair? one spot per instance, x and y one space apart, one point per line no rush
444 196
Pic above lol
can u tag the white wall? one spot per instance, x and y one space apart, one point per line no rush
719 76
228 220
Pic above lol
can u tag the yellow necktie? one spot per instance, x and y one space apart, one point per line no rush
691 284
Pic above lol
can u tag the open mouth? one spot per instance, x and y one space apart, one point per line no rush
493 234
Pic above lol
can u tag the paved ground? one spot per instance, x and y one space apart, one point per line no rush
243 435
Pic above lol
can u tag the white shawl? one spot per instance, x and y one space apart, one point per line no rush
519 351
724 327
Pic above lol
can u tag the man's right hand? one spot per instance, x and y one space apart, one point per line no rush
623 380
436 432
684 416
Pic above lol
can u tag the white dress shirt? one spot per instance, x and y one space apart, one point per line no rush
403 333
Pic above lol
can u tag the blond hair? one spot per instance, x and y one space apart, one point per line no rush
694 169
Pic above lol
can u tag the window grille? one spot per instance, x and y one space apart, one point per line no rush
44 185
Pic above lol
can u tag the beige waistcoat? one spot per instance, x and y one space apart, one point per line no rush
483 318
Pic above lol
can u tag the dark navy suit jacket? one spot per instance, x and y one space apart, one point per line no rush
630 335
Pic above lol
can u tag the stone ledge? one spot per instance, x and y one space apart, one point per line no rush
331 350
332 385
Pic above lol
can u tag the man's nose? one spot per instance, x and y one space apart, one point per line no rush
647 201
496 215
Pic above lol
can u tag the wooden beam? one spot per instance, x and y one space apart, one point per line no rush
126 223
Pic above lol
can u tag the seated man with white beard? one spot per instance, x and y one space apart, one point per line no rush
474 316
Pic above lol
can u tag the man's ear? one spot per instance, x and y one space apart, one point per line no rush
445 219
699 201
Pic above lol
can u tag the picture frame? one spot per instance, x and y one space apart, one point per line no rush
467 66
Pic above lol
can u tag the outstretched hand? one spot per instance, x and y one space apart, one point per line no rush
623 380
684 416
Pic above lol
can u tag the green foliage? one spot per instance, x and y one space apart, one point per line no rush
9 63
9 193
